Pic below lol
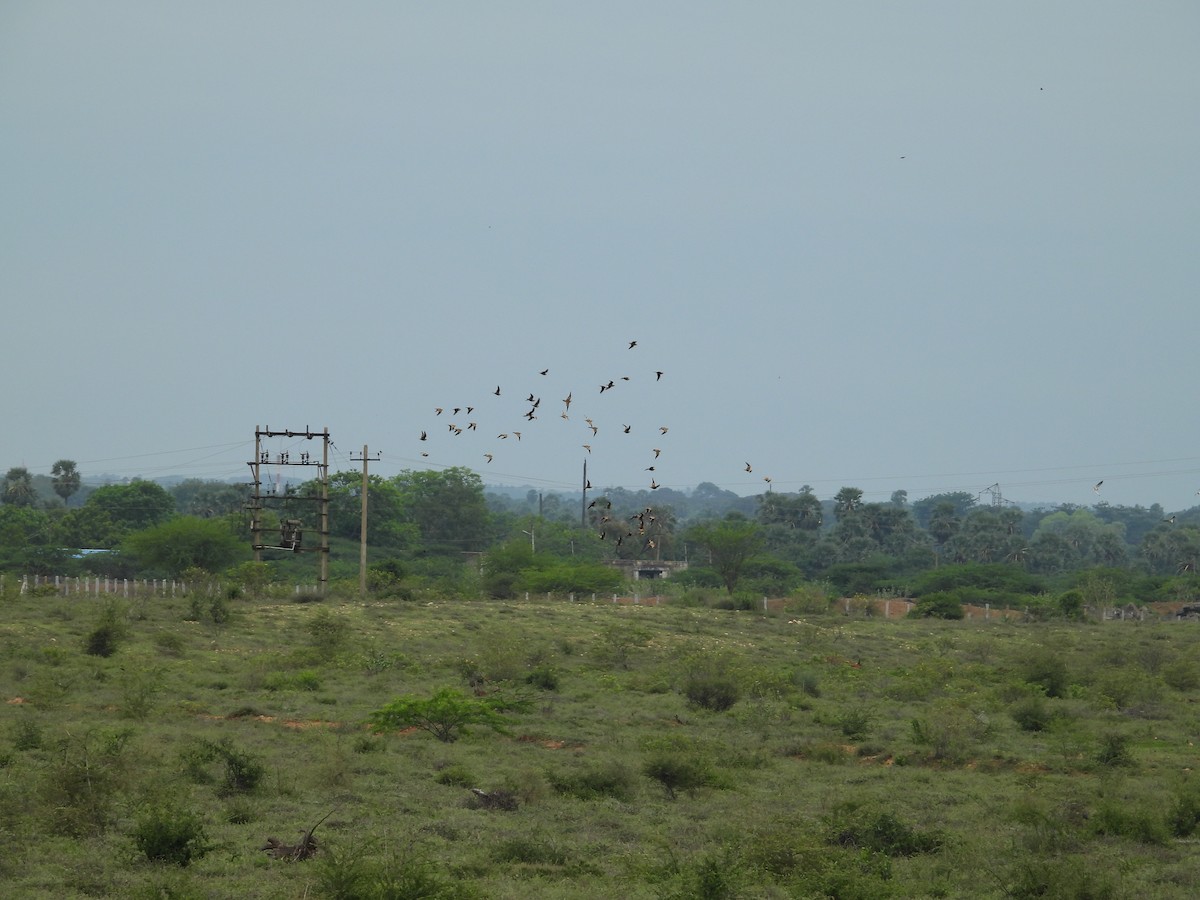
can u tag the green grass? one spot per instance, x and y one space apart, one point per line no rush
674 752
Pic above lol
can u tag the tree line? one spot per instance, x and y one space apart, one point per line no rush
423 522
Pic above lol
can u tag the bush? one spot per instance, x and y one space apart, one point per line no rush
613 779
446 714
1114 750
938 605
1032 713
243 771
170 834
712 690
678 770
884 833
1047 670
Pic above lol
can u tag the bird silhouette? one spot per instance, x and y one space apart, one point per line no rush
437 410
1096 486
658 376
424 436
632 344
497 391
587 447
653 485
517 435
656 452
748 468
627 427
544 372
488 457
662 429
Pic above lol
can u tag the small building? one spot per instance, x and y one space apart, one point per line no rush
647 569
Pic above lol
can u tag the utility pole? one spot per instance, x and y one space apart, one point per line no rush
362 537
291 534
583 501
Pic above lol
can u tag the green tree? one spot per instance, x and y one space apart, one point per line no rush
208 499
446 714
846 502
185 543
66 479
18 488
134 506
447 507
730 544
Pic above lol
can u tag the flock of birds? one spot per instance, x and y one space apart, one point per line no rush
469 420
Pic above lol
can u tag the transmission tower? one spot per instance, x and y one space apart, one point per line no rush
291 530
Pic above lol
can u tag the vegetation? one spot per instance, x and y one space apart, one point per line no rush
557 749
496 701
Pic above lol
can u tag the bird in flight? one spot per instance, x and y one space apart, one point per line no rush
517 435
627 427
497 391
632 344
502 436
587 447
653 485
437 410
567 399
544 372
488 457
658 376
657 451
1096 486
424 436
748 469
662 429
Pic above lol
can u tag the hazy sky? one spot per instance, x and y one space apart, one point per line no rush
922 245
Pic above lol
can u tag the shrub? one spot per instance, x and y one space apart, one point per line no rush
1114 750
711 689
327 633
885 833
938 605
544 677
242 773
446 714
1032 713
678 770
1046 669
614 779
1184 816
110 630
170 834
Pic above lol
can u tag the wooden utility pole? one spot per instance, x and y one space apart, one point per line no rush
362 537
583 502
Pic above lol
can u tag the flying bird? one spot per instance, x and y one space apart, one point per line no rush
502 436
456 410
471 426
632 344
424 436
748 469
587 447
596 431
437 410
544 372
627 427
488 457
1096 486
662 429
517 435
497 391
658 376
653 485
657 452
767 479
567 400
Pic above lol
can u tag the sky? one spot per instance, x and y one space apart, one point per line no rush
921 246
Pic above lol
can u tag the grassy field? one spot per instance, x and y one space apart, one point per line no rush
645 752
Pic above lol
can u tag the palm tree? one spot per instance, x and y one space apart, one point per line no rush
66 479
